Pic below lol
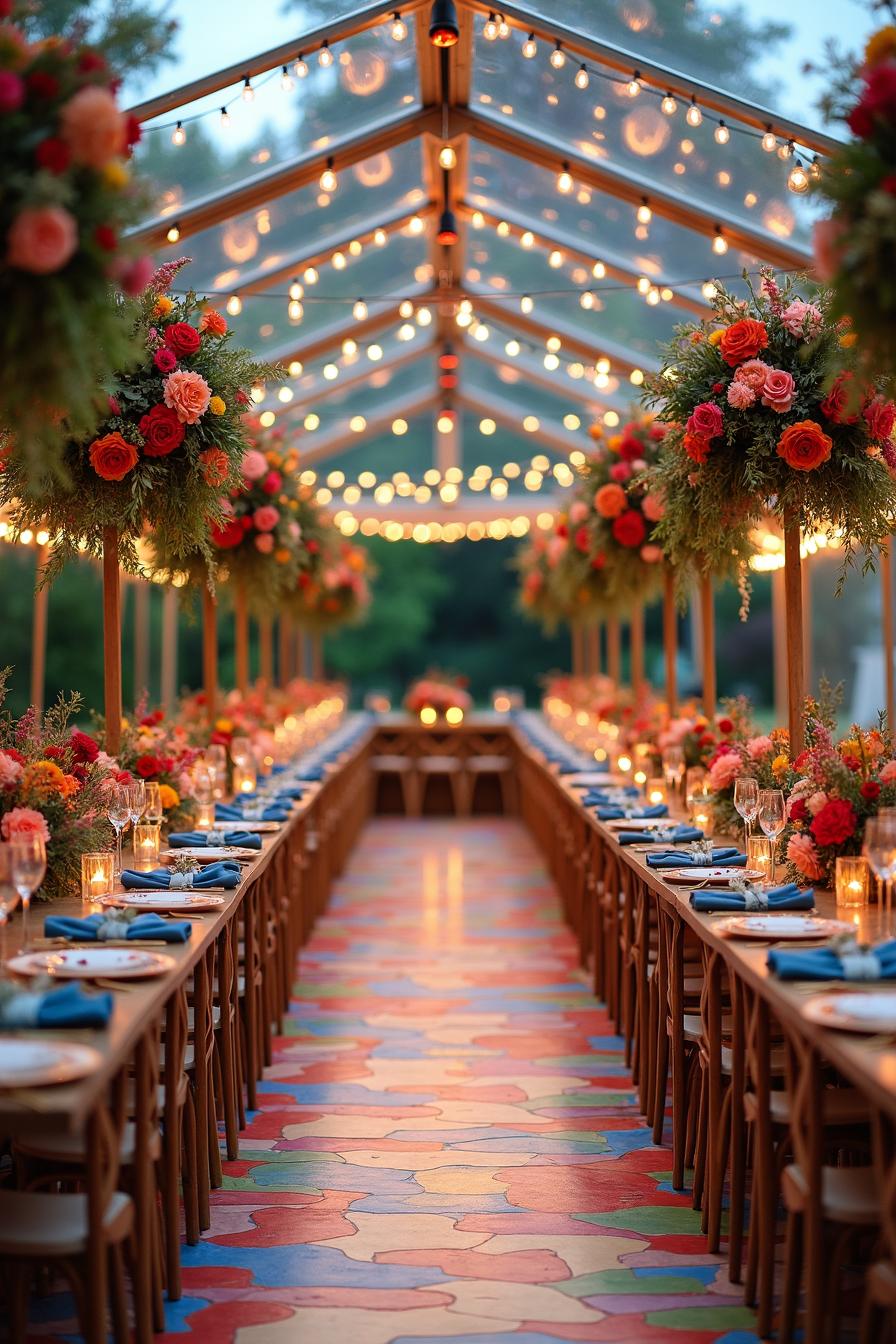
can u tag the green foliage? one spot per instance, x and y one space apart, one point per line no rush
133 36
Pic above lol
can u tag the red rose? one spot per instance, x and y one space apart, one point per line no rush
229 534
836 405
878 100
105 237
147 766
870 790
706 421
798 810
743 340
132 131
630 449
629 528
16 755
164 359
582 540
42 85
804 446
84 748
53 154
706 740
835 823
162 431
598 561
54 753
272 483
697 448
90 62
561 530
880 416
726 725
182 339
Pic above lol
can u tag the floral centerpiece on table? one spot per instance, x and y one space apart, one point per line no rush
696 735
439 693
158 750
836 788
172 443
67 202
757 428
855 248
741 751
336 590
54 782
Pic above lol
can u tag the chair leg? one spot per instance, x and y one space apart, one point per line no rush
118 1294
793 1255
702 1140
189 1182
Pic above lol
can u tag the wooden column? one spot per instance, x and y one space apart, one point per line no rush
112 639
708 641
594 649
241 631
578 650
793 623
317 656
779 645
39 633
210 654
141 637
285 653
302 655
806 585
636 648
266 650
168 678
614 650
670 640
886 596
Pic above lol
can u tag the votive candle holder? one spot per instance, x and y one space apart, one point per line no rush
851 885
146 847
759 855
97 875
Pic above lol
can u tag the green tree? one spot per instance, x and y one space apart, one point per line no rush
133 35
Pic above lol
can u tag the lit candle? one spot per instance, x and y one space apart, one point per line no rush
97 875
146 847
851 882
759 854
244 779
204 816
656 792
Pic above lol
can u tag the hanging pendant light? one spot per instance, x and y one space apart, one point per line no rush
447 234
443 27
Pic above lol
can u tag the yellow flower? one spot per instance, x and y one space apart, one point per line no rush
217 405
164 305
715 336
116 175
847 340
44 777
614 441
780 764
282 556
170 797
224 725
881 45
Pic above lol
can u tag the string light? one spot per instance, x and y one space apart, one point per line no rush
285 80
530 47
295 310
669 105
328 178
490 28
359 310
399 29
721 134
380 238
558 57
526 304
301 67
719 242
234 305
798 179
769 141
447 157
248 91
644 213
503 28
179 135
581 80
564 180
338 261
586 300
225 118
173 233
296 291
693 116
633 87
325 55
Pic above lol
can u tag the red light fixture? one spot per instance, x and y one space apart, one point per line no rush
448 359
447 234
443 28
448 381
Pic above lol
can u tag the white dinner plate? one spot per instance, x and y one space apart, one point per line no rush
872 1010
721 874
644 823
590 779
27 1063
211 853
155 899
74 963
248 824
782 926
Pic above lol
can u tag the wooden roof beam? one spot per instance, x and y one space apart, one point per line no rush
306 400
344 441
327 340
578 390
506 414
621 359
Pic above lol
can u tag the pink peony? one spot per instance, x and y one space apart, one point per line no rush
816 803
578 511
93 127
264 542
827 248
757 747
778 390
188 395
725 771
294 529
801 852
556 550
653 506
25 821
254 465
705 420
42 240
740 395
802 319
620 472
754 373
266 518
10 771
888 773
651 555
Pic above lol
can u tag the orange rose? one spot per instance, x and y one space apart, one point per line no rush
610 501
112 457
743 340
804 446
215 466
212 321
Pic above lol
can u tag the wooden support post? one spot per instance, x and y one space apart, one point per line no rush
636 648
141 637
112 639
317 656
806 582
266 650
39 634
670 640
594 649
708 651
779 645
793 624
285 652
886 595
302 657
241 620
210 654
614 650
578 650
169 649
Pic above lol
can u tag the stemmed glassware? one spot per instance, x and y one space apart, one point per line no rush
746 803
673 767
879 848
772 815
118 810
9 896
215 757
28 860
152 804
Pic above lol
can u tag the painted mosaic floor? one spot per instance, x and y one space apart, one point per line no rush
448 1147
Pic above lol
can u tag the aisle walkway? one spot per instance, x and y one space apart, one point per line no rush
448 1147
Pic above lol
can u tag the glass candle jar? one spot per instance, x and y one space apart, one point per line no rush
244 779
759 855
851 882
204 816
656 792
97 875
146 847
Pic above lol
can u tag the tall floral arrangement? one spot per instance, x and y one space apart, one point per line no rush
538 564
855 247
68 198
756 428
334 590
171 446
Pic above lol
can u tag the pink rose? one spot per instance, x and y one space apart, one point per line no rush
132 277
556 550
725 771
888 773
826 247
41 240
12 91
188 395
578 511
264 542
802 319
757 747
92 126
25 821
165 360
705 421
778 389
653 506
254 465
621 472
10 771
266 518
801 852
651 555
740 395
880 415
816 803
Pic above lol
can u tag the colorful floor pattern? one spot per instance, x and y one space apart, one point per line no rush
448 1147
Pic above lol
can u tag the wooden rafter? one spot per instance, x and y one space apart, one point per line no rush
326 341
573 342
577 390
313 398
344 441
506 414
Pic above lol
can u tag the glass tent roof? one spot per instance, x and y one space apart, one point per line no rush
589 198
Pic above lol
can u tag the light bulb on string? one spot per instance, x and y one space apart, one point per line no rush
530 47
644 212
798 179
328 178
785 151
633 87
527 239
225 118
285 80
380 238
526 304
295 310
564 180
338 261
719 242
447 157
179 135
405 308
490 28
581 80
693 116
248 91
301 67
296 291
815 169
325 55
721 134
399 29
586 300
669 105
599 270
503 28
173 233
310 275
359 310
558 57
769 141
234 305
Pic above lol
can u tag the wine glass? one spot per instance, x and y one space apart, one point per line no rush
241 751
28 867
202 782
879 848
9 896
772 816
152 806
694 785
216 759
746 803
118 810
673 767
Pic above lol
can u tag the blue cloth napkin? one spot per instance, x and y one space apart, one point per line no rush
593 796
89 930
674 858
238 812
223 874
788 897
681 835
310 774
834 962
613 812
69 1006
211 839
